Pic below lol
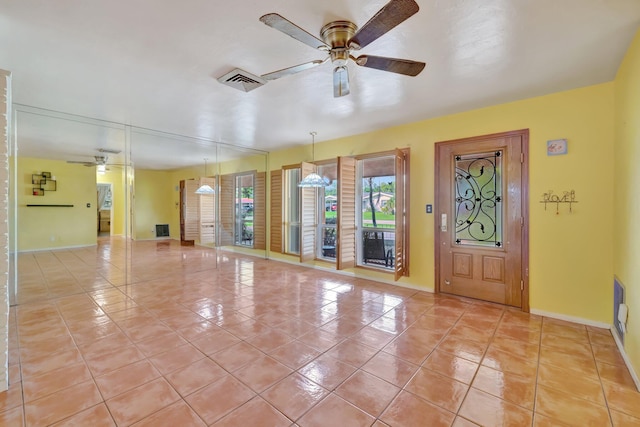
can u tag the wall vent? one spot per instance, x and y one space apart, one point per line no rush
618 298
242 80
162 230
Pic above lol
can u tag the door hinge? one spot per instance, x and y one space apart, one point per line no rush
521 157
521 285
521 221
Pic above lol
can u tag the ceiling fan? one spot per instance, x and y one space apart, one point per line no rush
100 160
341 38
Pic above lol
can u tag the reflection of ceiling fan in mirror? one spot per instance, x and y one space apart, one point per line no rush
341 38
101 161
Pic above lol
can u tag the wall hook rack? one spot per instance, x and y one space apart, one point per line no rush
566 197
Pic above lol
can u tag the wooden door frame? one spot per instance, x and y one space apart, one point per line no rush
524 133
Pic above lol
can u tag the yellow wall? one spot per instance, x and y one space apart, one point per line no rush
44 227
115 177
570 254
626 227
153 202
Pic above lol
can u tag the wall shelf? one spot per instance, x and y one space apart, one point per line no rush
49 206
44 182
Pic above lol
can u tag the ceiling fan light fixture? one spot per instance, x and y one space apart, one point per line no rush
339 57
101 169
341 81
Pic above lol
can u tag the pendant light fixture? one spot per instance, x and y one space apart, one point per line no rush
313 180
204 188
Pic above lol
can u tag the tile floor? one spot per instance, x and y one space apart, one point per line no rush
251 342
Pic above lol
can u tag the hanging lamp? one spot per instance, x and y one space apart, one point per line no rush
204 188
313 180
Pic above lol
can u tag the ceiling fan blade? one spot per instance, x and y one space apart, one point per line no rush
400 66
289 28
292 70
393 13
340 81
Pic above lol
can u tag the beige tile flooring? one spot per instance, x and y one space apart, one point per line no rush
250 342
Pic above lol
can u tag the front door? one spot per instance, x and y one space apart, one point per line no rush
481 218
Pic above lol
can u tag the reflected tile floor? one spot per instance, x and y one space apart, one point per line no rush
189 337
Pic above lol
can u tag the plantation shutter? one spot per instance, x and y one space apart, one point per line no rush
259 211
227 204
207 217
191 220
275 237
308 200
346 222
401 215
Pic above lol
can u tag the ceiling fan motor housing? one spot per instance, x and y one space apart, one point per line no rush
337 35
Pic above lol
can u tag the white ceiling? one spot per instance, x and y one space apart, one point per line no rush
154 64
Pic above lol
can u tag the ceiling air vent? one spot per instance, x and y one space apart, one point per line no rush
242 80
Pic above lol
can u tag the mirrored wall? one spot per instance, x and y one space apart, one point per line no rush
96 204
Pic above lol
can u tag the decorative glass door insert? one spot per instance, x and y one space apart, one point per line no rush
478 199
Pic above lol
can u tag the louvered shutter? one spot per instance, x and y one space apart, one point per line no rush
207 212
191 214
275 237
346 223
308 211
259 211
401 218
227 204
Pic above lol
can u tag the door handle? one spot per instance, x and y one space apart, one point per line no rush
443 222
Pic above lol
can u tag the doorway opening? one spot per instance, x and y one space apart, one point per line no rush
105 208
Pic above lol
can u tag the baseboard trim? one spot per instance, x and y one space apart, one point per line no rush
627 361
57 248
573 319
258 253
150 239
353 274
602 325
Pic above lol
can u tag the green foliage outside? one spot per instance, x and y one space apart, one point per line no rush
380 216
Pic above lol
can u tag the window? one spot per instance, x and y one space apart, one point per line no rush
291 211
377 214
358 219
327 212
382 215
244 209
